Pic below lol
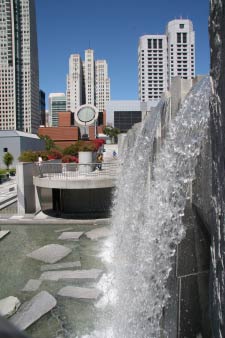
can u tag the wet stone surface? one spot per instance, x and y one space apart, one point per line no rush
58 266
74 236
8 306
79 293
51 253
31 311
92 274
32 285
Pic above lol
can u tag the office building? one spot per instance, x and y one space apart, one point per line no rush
87 82
74 94
19 77
56 104
181 49
152 72
162 57
102 85
124 114
89 78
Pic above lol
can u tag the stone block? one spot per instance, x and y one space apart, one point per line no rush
50 253
34 309
92 274
79 293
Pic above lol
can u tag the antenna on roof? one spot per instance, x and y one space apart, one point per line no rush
89 44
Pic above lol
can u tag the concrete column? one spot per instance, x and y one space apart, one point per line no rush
25 188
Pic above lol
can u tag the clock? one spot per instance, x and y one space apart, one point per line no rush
86 115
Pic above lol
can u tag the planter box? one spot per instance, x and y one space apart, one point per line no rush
85 158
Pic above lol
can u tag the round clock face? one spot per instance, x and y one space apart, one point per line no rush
86 114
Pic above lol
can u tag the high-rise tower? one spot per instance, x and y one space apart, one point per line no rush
152 70
87 82
19 76
181 49
74 83
162 57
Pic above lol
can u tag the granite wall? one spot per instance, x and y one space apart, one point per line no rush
217 125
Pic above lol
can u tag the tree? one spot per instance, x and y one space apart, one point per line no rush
111 132
49 143
8 159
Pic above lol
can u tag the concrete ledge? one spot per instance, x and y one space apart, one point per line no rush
81 183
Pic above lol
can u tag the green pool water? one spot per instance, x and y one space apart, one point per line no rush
70 318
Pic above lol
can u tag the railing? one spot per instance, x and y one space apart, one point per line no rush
76 171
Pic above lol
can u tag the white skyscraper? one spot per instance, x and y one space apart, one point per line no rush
87 82
74 83
19 77
181 49
152 70
161 57
89 77
102 84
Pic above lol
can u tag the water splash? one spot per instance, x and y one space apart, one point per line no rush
147 219
147 216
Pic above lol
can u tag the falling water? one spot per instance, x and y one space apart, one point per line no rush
147 216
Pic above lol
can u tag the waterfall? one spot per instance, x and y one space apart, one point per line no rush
147 216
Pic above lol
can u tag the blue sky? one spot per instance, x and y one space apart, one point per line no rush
112 29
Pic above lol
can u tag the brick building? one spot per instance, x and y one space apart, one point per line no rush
67 133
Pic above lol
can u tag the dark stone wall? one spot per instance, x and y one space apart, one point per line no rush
187 313
217 125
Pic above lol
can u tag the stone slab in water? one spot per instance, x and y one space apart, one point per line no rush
91 274
50 253
67 265
64 229
74 236
34 309
32 285
79 293
3 233
8 306
98 233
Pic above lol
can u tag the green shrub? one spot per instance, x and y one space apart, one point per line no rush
28 156
8 159
3 171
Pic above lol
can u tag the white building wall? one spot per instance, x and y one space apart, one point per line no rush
152 67
74 83
127 105
89 77
181 49
162 57
102 85
87 82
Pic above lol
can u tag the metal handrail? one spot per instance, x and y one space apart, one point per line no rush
68 171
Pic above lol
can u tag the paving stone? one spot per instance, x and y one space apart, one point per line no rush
98 233
67 265
8 306
3 233
64 229
74 236
32 285
79 293
91 274
50 253
34 309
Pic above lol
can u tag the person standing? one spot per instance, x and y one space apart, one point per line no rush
99 161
